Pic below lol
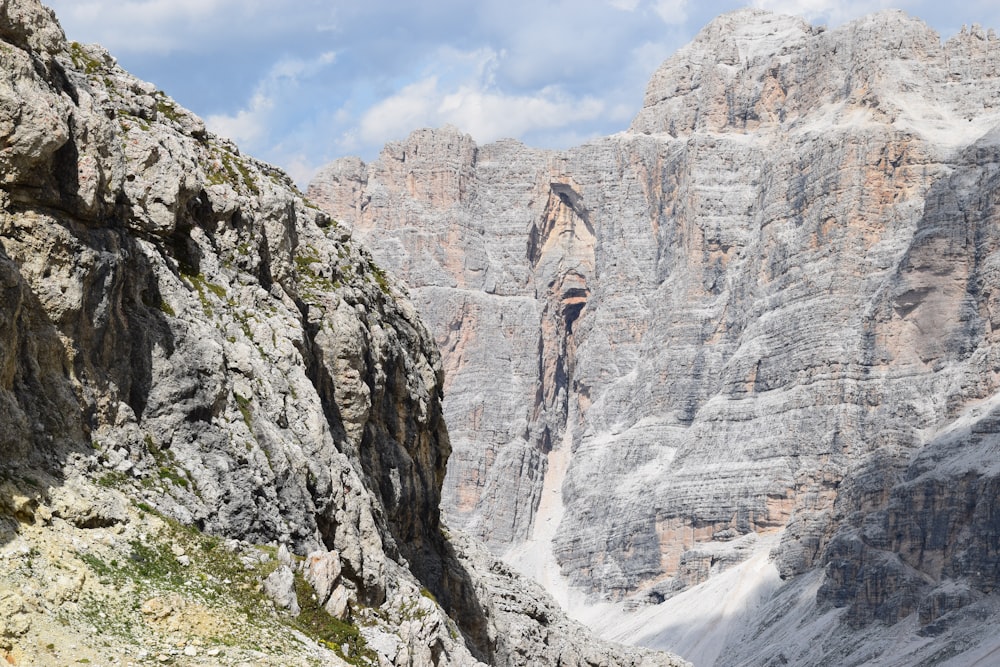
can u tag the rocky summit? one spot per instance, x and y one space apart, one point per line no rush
221 429
748 347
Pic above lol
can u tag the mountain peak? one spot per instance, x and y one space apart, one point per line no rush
753 67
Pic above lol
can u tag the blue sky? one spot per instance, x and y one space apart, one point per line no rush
301 82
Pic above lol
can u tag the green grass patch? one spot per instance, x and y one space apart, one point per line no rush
215 577
305 262
165 107
112 480
342 638
226 167
204 288
173 476
166 309
380 277
167 466
311 280
126 120
243 404
82 61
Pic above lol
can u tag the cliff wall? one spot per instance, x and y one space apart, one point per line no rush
764 311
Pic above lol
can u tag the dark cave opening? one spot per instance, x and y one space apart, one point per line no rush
571 312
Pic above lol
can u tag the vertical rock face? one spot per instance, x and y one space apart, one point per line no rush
501 272
770 305
182 334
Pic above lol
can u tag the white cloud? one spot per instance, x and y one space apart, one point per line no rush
251 125
475 105
489 115
548 73
300 167
410 108
647 56
146 12
671 12
150 26
248 125
165 26
296 68
810 9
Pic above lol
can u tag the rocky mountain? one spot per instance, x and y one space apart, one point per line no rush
752 339
221 434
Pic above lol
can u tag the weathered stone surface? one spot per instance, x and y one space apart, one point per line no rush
322 571
280 587
454 220
179 300
527 628
76 502
755 311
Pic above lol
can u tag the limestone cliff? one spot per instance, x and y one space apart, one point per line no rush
197 367
768 308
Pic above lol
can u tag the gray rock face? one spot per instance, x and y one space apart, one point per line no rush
181 287
497 248
322 572
767 306
528 628
171 305
280 587
176 322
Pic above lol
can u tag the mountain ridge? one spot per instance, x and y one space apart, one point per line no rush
742 319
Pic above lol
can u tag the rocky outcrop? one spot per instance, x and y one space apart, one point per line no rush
172 291
766 307
190 351
527 627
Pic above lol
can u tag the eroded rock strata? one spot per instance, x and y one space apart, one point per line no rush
769 306
221 436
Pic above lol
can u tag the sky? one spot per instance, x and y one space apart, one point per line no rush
299 83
